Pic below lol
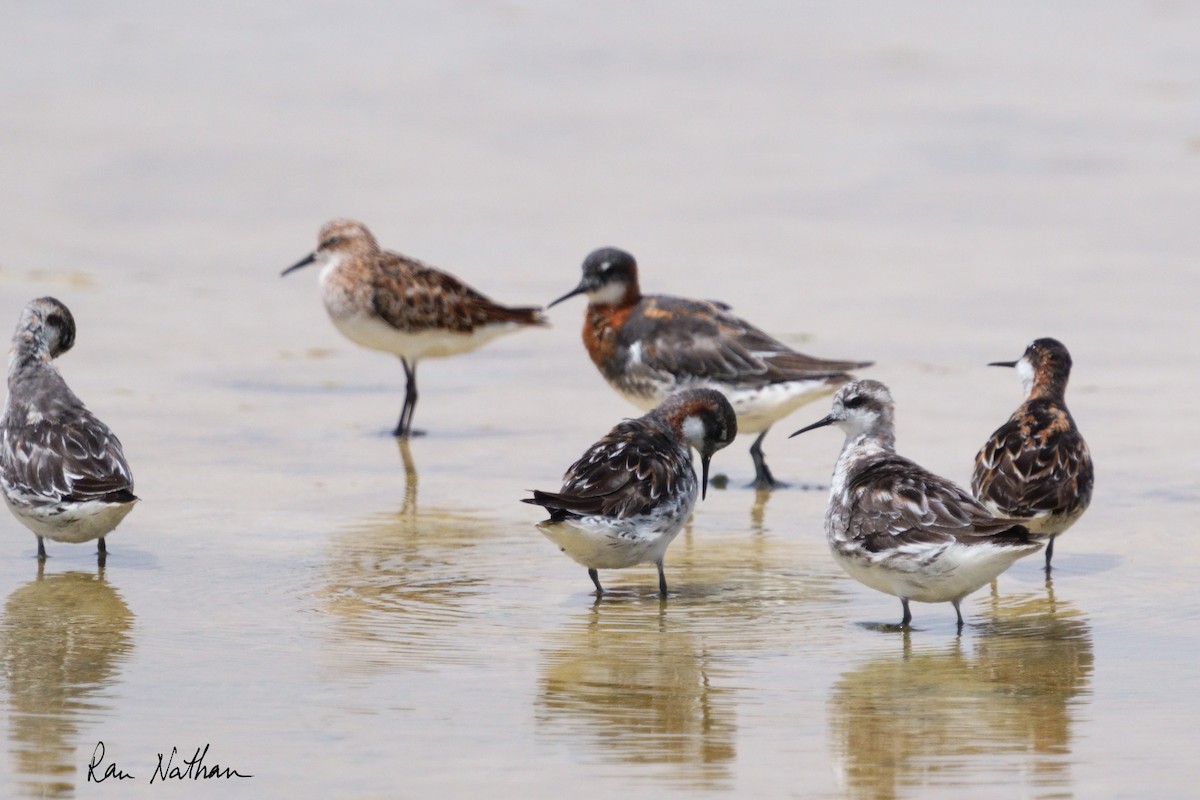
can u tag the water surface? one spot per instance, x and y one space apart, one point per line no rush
340 616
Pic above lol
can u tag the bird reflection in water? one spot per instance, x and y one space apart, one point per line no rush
399 585
636 688
63 639
410 478
988 711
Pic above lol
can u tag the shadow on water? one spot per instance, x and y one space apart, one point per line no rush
635 686
991 708
400 584
62 641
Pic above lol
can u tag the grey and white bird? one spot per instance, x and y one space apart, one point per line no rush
63 473
897 527
1036 467
625 500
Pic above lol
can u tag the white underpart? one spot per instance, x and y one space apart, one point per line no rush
370 331
756 408
69 522
599 542
931 573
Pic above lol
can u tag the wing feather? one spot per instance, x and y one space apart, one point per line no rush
676 338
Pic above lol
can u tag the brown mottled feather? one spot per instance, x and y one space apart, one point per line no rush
412 296
1035 464
631 470
933 509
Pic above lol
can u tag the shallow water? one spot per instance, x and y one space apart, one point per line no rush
340 616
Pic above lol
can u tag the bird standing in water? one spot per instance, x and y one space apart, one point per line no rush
627 498
62 471
390 302
1036 467
650 346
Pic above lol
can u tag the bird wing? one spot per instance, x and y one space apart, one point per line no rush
76 460
670 336
633 469
411 295
1037 463
896 502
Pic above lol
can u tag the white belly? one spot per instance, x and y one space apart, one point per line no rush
74 523
604 543
940 574
756 408
376 334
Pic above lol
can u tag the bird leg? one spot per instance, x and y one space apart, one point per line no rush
41 549
595 576
1049 552
404 426
907 614
662 579
763 479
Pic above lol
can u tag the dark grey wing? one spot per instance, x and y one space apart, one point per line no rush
897 502
633 469
411 295
1037 463
78 459
669 336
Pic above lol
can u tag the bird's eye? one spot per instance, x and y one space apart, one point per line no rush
332 241
854 402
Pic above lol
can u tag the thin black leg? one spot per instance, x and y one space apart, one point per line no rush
662 579
101 548
958 611
1049 552
907 614
763 479
41 549
404 426
595 576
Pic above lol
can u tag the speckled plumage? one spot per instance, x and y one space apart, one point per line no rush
650 346
390 302
1037 467
62 471
627 498
897 527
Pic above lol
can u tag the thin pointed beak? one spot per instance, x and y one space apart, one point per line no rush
580 289
828 419
304 262
1003 364
704 459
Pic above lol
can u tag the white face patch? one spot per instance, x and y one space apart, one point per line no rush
693 431
331 262
608 294
1025 371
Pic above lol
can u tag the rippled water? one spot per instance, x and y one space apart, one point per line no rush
341 616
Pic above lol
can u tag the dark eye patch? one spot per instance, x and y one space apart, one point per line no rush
55 319
854 402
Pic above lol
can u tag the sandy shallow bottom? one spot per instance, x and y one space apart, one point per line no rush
341 616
